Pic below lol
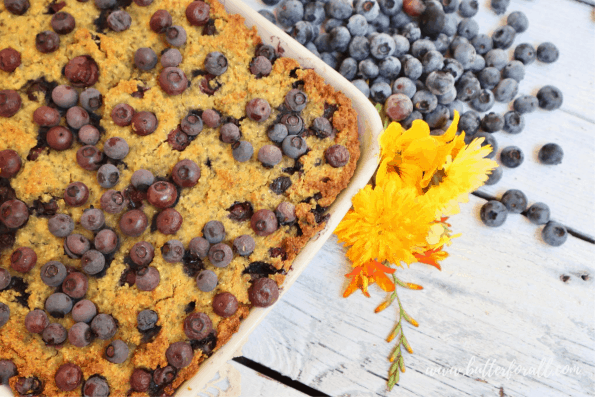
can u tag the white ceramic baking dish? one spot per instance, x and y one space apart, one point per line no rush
370 127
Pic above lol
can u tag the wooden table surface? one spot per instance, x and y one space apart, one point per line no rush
504 299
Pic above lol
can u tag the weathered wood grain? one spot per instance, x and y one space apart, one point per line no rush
499 297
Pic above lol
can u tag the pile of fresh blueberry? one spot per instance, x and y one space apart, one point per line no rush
419 60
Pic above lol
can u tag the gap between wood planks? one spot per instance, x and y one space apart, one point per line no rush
578 234
271 373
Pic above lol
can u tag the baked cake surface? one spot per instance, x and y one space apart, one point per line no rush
233 188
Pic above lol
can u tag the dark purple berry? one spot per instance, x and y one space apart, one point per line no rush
146 320
215 63
108 176
116 148
515 201
270 155
14 214
211 118
285 213
160 21
206 280
46 116
96 386
294 146
10 103
47 42
263 292
80 334
75 285
54 334
58 304
512 156
173 81
92 219
551 154
113 202
264 222
142 179
53 273
144 123
172 251
91 100
63 23
493 213
36 321
550 98
23 259
176 36
82 71
225 304
337 156
59 138
539 213
244 245
554 234
140 380
214 232
133 223
89 158
88 135
76 194
296 100
7 367
60 225
17 7
92 262
5 278
145 58
84 311
162 194
64 96
68 377
142 253
242 151
229 133
220 255
198 13
122 114
293 123
106 241
119 21
199 246
147 279
260 67
197 326
10 163
116 352
172 57
104 326
258 109
186 173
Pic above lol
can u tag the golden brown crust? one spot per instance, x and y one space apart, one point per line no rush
314 187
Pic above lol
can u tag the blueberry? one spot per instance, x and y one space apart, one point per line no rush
331 23
119 21
242 151
442 43
415 115
468 28
220 255
506 90
146 320
359 48
322 42
482 43
271 2
390 7
199 246
58 304
450 25
400 19
411 32
515 201
92 262
382 46
539 213
381 23
525 53
496 58
454 105
379 92
369 9
116 352
329 59
60 225
268 14
453 67
403 85
438 117
80 335
214 232
493 213
53 273
550 98
514 122
371 31
413 69
525 104
518 20
116 148
398 107
294 146
322 127
439 83
512 156
433 61
390 68
303 32
483 102
432 20
339 9
554 234
465 54
551 154
54 334
258 110
7 367
216 62
104 326
348 68
468 8
92 219
492 122
339 39
503 37
489 139
468 88
402 45
244 245
357 25
285 213
277 132
500 6
289 12
145 58
368 69
424 101
494 176
5 279
478 65
84 311
270 155
469 122
489 78
263 292
179 354
171 58
76 117
192 124
296 100
362 86
64 96
91 99
293 123
315 14
108 176
457 41
206 280
172 251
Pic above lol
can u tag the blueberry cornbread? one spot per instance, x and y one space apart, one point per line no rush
160 169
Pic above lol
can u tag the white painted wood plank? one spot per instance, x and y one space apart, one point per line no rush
499 297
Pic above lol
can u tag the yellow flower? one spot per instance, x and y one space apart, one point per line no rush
385 223
414 155
461 175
